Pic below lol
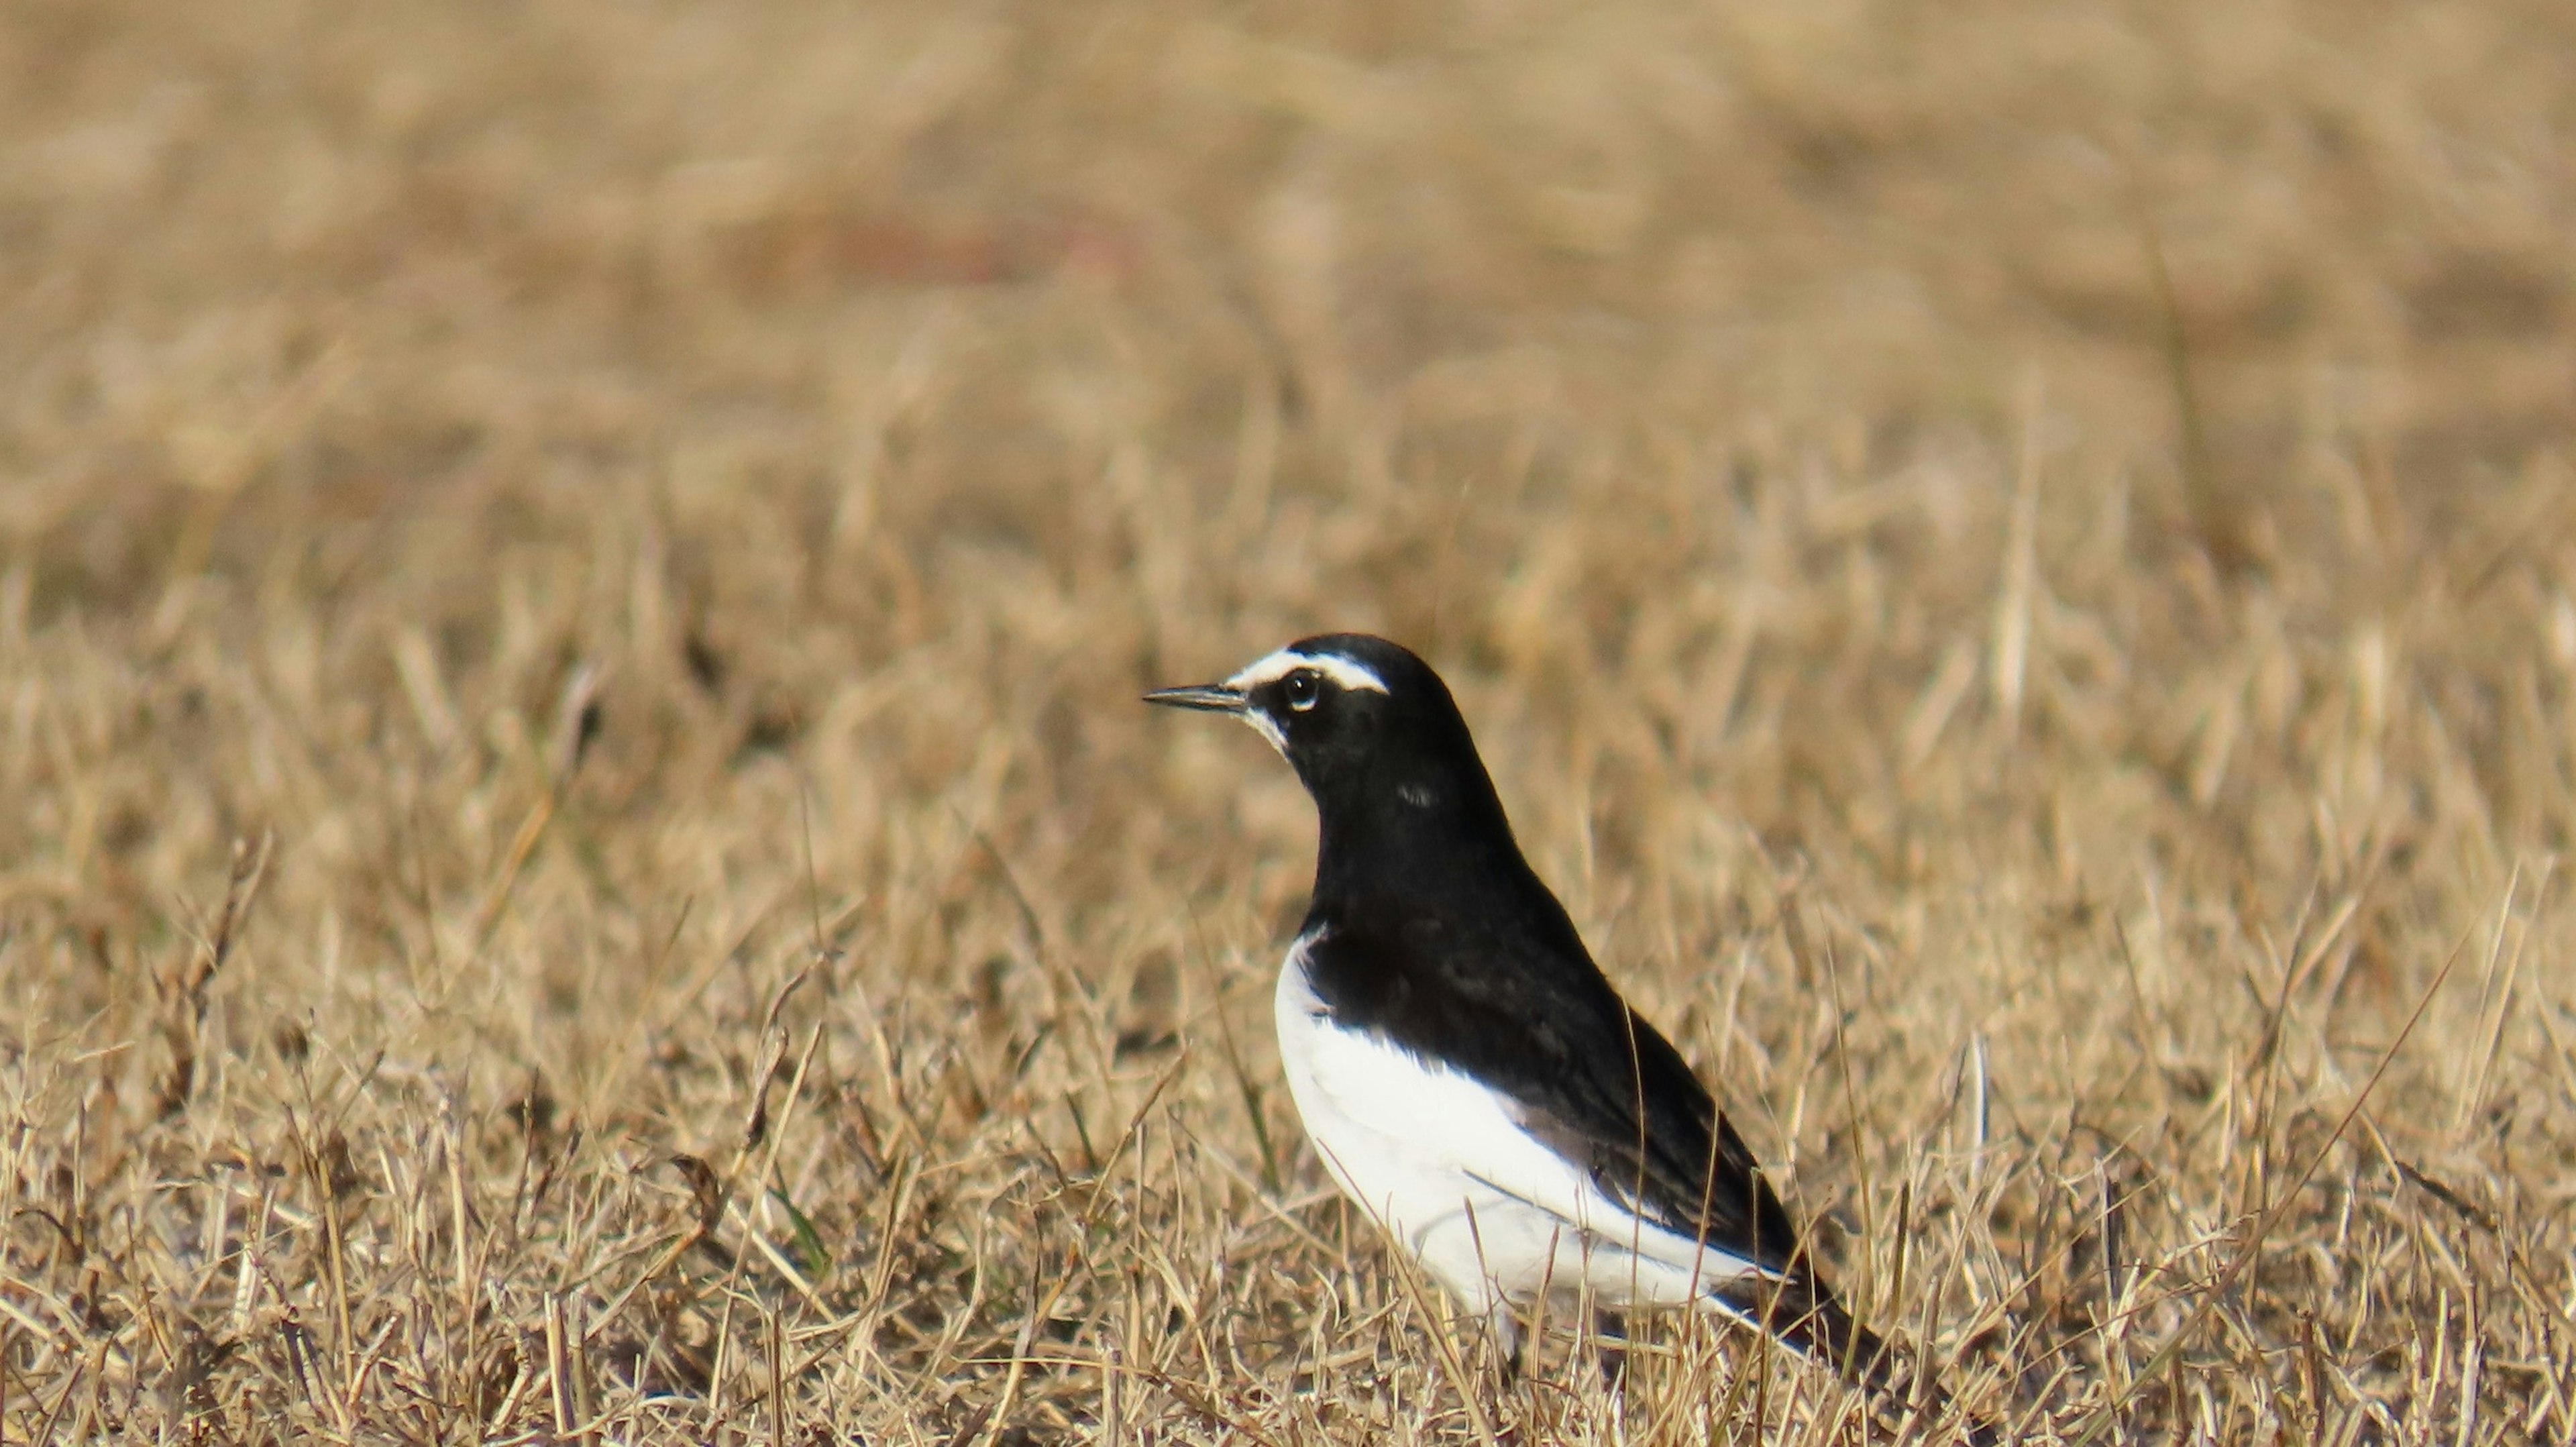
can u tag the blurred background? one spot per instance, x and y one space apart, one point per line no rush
784 339
624 491
2283 269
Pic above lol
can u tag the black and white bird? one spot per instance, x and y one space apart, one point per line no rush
1469 1078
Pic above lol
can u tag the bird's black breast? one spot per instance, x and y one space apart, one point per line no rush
1509 996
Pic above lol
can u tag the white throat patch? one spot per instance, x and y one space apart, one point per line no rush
1357 677
1262 725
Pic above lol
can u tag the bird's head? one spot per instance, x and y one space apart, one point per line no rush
1367 725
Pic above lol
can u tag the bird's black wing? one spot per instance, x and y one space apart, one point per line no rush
1511 996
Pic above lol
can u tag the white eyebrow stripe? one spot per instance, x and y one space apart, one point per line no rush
1349 674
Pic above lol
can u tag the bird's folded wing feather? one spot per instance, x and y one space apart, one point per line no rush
1580 1073
1516 1007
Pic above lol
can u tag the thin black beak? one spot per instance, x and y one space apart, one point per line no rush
1208 697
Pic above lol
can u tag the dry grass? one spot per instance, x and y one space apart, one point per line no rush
579 861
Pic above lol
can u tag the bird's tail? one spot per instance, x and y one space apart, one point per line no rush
1801 1313
1797 1312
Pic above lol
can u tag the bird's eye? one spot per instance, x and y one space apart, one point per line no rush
1301 689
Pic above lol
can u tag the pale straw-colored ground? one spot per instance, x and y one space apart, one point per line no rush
2013 564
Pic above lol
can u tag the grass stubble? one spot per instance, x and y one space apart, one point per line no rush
579 862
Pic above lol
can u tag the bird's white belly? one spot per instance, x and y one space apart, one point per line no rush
1444 1165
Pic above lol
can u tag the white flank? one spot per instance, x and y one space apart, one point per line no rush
1443 1163
1346 672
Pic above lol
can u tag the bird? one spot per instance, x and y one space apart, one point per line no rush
1469 1077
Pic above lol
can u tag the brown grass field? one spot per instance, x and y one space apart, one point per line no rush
579 861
